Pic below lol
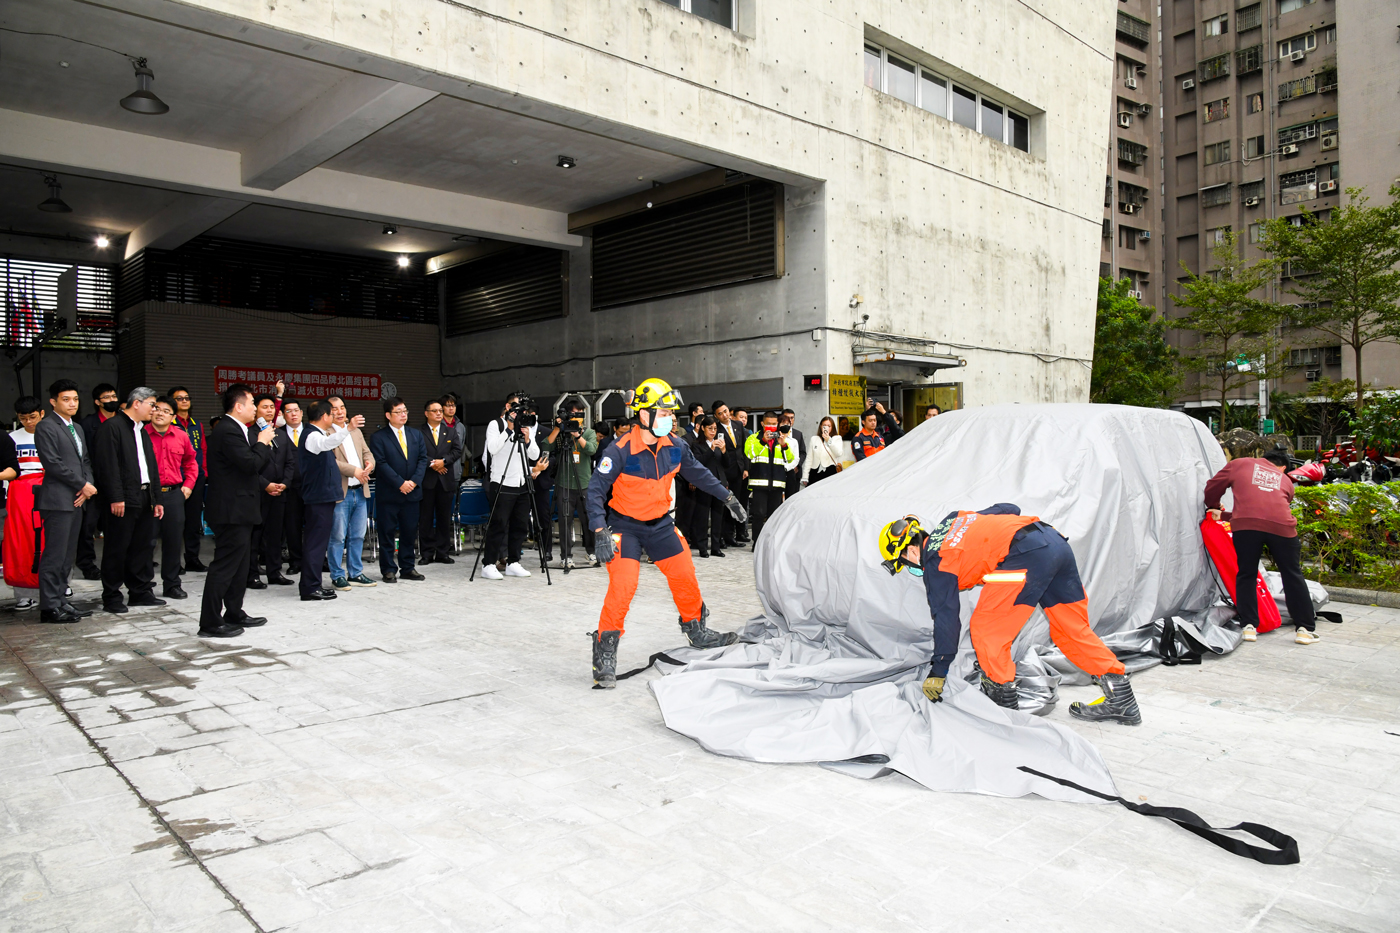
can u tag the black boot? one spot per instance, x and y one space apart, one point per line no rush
702 636
1118 703
604 659
1003 695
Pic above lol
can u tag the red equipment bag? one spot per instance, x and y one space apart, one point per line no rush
1221 548
23 533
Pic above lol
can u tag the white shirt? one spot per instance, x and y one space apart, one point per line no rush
294 433
320 442
352 456
137 427
505 462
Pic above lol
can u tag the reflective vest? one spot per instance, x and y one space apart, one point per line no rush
767 462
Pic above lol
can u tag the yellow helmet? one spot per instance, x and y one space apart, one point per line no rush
895 537
654 393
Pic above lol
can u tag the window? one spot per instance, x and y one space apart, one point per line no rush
716 11
1304 43
1333 171
1129 194
1291 90
993 120
1254 147
1327 80
1297 186
1218 152
1216 195
1251 189
1329 35
1250 60
1217 110
1020 135
1212 68
965 107
1254 103
933 93
900 80
1249 18
1255 232
1288 6
1296 134
1131 152
1218 25
1215 236
1128 236
872 67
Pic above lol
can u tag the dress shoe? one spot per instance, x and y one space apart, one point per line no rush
57 617
150 599
256 584
411 574
117 608
222 630
361 580
389 577
249 621
80 613
293 569
93 574
317 596
716 553
175 592
276 579
705 554
195 566
443 559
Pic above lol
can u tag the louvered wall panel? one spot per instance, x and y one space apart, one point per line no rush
718 238
30 290
520 285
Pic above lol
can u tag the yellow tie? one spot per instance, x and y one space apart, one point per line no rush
435 435
296 436
403 444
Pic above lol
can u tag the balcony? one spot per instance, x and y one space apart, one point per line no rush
1213 68
1131 152
1133 29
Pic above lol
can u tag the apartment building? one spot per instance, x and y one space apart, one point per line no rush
1132 196
1251 132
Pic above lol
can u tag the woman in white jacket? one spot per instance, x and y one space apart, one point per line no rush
823 453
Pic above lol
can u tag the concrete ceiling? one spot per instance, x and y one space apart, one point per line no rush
308 230
99 207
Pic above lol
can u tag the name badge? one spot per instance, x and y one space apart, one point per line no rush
576 456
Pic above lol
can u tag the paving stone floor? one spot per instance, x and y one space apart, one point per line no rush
429 756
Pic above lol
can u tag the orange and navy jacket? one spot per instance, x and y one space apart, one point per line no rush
964 548
640 478
866 443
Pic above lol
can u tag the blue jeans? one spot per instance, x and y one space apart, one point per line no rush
351 515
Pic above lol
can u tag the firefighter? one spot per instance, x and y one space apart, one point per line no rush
639 469
1020 562
771 463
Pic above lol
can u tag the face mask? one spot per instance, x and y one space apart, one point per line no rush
917 571
111 406
661 424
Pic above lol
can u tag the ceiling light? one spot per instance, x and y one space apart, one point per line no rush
403 262
390 229
103 242
54 204
63 64
567 162
142 100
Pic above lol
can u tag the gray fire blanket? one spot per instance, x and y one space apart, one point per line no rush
832 670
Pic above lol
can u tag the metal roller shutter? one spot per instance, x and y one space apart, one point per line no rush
718 238
519 285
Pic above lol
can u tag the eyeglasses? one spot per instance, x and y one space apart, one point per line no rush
180 398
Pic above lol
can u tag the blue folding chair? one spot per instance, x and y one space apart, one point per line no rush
471 514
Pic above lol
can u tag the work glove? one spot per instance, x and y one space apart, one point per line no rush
735 509
603 546
933 688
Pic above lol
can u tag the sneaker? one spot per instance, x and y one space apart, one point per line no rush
362 580
1305 637
340 583
24 605
592 561
515 570
1250 633
568 563
490 572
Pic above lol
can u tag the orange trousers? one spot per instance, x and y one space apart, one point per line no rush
668 548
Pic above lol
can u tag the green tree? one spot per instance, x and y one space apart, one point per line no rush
1133 363
1378 424
1323 409
1229 321
1348 270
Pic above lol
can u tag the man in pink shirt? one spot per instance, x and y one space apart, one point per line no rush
1263 516
179 470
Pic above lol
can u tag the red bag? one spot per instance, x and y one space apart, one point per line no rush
1221 548
22 529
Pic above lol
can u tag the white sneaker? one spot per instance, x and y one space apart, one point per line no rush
24 605
490 572
1251 633
1305 637
592 560
515 570
568 563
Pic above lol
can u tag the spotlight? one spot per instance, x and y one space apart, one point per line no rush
390 230
54 204
103 242
143 100
403 262
567 162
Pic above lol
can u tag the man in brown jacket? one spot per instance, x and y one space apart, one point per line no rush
347 545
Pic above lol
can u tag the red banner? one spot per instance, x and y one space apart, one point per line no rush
301 383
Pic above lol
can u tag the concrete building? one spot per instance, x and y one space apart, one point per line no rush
732 195
1132 197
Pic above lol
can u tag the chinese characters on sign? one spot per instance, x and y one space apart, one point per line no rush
847 394
300 383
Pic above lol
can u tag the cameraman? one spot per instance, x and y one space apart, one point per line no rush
573 445
508 487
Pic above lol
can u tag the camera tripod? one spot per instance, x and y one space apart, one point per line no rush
518 450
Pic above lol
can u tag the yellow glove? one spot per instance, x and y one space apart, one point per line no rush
933 688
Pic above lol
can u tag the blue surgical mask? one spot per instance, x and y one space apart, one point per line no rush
661 424
917 571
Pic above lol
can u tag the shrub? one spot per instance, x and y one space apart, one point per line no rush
1350 533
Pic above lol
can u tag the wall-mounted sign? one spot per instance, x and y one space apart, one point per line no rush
847 394
301 383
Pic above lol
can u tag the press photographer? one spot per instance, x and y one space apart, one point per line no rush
572 445
508 487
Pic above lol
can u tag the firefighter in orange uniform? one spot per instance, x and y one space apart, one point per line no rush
1020 562
639 470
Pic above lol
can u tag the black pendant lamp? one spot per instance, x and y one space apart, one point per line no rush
143 100
54 204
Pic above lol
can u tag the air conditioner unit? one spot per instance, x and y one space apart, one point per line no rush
1134 293
1290 149
1129 208
1125 119
1251 202
1188 84
1329 141
1297 55
1130 84
1144 234
1323 187
1313 375
1144 109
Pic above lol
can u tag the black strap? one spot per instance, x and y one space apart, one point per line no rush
1329 615
659 656
1166 647
1284 851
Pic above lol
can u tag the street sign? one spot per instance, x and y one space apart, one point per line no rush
1266 426
847 394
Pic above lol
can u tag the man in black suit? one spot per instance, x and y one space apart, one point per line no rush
788 419
128 487
289 440
401 459
63 452
267 536
320 491
735 434
439 489
104 406
231 509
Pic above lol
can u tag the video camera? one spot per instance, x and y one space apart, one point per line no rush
569 424
523 411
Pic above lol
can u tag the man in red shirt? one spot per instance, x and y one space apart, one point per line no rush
179 471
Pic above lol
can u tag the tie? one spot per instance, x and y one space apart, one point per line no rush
296 436
403 444
435 435
76 443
